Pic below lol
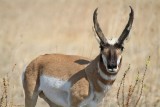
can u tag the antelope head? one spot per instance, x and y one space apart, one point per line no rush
111 50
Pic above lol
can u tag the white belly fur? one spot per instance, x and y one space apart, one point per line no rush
56 90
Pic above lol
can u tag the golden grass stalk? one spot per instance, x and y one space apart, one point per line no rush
131 90
4 97
122 82
141 91
6 100
126 99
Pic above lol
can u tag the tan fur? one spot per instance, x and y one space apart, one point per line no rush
60 66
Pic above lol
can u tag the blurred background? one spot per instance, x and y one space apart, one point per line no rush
29 28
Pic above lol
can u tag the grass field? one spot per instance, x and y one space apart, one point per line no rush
29 28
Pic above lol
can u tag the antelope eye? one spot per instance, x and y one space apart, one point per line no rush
102 46
122 48
119 47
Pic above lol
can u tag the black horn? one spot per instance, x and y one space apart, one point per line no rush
127 28
98 30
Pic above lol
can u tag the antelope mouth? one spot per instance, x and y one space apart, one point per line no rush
112 71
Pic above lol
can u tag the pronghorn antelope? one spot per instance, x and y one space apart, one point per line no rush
75 81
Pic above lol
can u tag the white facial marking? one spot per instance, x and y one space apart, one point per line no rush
119 60
115 69
104 76
104 61
56 90
112 41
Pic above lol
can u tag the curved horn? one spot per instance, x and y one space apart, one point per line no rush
127 28
97 28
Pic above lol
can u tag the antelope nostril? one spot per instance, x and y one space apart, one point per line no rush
109 67
112 66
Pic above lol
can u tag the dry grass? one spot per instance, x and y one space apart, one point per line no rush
126 100
31 28
6 99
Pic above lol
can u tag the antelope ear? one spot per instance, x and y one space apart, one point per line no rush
127 29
